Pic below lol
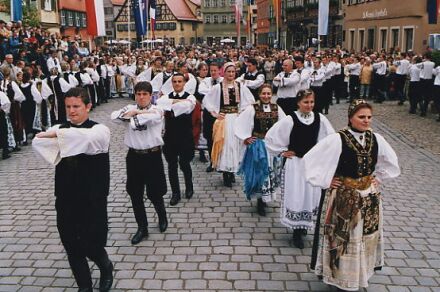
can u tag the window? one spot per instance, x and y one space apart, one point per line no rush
63 17
181 26
383 38
409 38
108 24
77 19
224 19
108 10
232 18
351 39
361 39
215 19
395 37
222 3
207 3
47 5
70 18
182 41
371 37
84 20
231 2
208 19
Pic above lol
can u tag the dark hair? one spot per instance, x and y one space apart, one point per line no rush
177 75
143 86
215 64
26 76
78 92
299 59
252 61
358 108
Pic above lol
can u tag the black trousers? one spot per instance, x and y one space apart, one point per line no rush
288 104
3 132
414 95
354 86
319 99
208 123
83 227
400 87
182 157
145 171
107 86
436 98
100 91
426 92
380 87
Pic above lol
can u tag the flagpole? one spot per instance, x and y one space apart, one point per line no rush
129 26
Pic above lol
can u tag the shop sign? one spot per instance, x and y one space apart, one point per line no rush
375 14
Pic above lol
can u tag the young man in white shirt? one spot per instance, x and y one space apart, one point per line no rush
179 142
79 149
144 159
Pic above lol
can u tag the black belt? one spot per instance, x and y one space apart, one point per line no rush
144 151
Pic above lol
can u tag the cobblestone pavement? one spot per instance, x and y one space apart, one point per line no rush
215 241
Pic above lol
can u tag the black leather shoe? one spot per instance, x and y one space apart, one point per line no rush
261 207
90 289
202 157
189 193
6 155
232 177
297 238
163 224
209 168
175 199
141 233
16 149
227 180
106 281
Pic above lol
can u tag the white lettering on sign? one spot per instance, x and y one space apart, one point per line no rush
375 14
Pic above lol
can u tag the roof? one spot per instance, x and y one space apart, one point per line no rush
197 2
118 2
180 10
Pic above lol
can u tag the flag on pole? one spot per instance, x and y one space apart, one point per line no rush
16 10
277 10
153 17
95 18
140 16
323 17
238 15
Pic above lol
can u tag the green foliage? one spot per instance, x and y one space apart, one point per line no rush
30 16
436 57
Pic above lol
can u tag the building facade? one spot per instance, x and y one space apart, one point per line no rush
178 22
267 25
387 24
73 19
219 22
302 23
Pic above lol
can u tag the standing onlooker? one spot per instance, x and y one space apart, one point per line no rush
365 78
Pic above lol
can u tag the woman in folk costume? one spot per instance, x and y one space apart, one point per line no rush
293 137
155 68
119 76
225 101
261 171
43 109
348 245
14 119
29 105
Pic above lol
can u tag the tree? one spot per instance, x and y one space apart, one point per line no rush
30 14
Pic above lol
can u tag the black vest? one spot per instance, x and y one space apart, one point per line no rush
303 137
85 176
251 77
56 87
66 76
357 161
263 121
78 77
178 130
232 107
165 77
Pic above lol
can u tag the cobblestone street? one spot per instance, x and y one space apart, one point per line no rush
216 241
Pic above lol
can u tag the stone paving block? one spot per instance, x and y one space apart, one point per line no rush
271 285
196 284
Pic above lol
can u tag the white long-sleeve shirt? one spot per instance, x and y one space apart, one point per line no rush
354 69
5 103
184 106
71 142
381 68
144 131
287 86
426 69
